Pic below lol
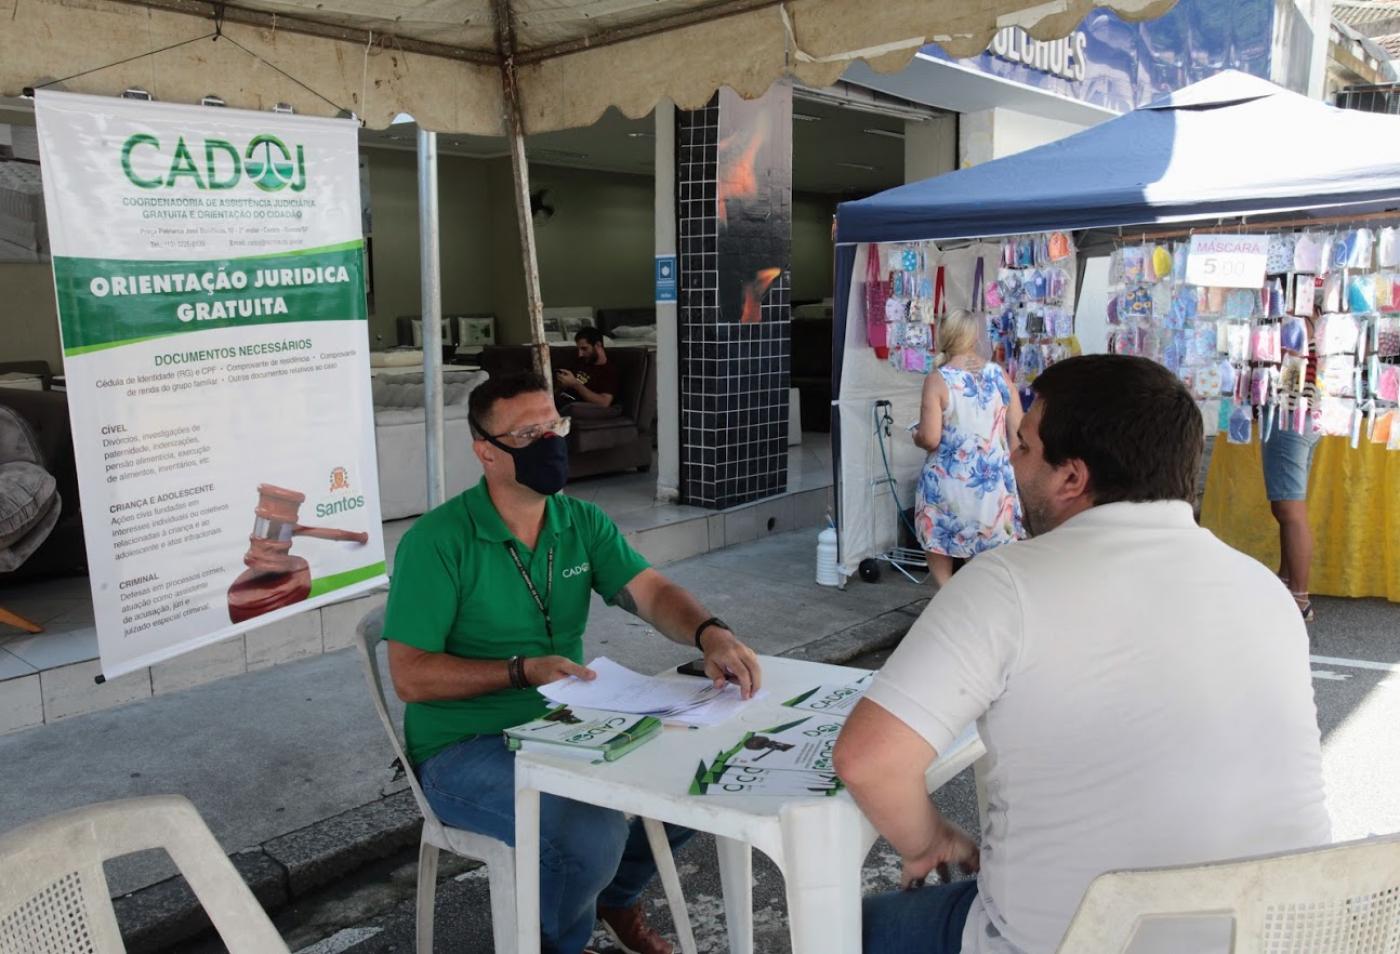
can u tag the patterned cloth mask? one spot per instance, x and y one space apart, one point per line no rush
1264 344
1294 336
1241 429
1282 249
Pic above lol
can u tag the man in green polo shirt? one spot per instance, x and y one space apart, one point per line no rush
489 599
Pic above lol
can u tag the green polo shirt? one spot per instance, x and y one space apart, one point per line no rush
456 590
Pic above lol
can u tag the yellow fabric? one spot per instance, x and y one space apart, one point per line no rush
1353 506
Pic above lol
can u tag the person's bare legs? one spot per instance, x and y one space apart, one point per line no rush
1295 546
940 568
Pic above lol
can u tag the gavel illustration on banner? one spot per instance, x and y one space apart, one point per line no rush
276 577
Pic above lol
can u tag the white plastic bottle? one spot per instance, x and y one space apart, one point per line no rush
827 574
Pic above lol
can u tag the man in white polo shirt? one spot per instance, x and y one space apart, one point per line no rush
1142 689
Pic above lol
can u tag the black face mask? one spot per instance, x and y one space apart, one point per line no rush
541 465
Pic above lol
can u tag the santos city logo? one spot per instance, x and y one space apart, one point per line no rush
574 571
266 161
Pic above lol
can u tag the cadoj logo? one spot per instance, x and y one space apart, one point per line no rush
266 161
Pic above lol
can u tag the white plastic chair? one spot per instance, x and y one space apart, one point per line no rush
53 893
1339 899
498 857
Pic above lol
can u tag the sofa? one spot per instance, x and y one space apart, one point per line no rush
45 416
607 443
401 441
608 320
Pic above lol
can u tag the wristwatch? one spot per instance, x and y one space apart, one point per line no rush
712 621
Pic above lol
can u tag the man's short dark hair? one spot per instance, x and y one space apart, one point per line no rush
1130 420
500 387
592 335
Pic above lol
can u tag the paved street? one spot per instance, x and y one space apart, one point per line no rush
1356 659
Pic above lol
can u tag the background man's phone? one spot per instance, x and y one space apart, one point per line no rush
696 667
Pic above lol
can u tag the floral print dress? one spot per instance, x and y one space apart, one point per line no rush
967 490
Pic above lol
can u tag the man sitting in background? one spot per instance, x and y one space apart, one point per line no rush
1142 689
594 381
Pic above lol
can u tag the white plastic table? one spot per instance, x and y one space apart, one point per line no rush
818 843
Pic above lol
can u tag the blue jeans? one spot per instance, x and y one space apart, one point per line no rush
927 920
1287 457
588 855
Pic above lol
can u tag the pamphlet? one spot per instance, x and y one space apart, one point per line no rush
583 733
833 700
803 746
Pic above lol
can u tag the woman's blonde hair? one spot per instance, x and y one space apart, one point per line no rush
957 334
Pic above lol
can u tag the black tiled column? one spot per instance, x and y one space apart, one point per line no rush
734 225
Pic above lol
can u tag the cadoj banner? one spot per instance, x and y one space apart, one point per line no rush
210 276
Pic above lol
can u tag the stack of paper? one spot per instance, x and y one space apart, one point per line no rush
739 780
583 733
618 689
789 759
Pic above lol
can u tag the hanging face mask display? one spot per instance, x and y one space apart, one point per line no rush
1258 348
903 290
1031 324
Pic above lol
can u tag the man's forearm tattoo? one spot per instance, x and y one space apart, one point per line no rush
625 601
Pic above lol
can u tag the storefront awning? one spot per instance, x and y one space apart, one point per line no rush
440 60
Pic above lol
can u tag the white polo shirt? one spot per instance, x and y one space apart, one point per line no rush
1144 695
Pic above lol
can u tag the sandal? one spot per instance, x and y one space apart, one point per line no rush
1304 606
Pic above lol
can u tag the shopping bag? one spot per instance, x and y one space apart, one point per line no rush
877 294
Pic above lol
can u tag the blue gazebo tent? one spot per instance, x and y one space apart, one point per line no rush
1227 148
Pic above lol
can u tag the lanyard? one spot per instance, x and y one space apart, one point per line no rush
541 604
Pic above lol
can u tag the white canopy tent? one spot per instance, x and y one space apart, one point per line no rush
443 61
488 67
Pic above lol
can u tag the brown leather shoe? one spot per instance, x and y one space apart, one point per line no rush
629 930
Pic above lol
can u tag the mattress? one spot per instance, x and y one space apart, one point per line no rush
22 220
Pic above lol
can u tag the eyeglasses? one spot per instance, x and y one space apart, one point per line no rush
533 432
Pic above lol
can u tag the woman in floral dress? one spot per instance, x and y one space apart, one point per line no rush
967 490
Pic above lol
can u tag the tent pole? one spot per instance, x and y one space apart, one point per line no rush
428 231
515 131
